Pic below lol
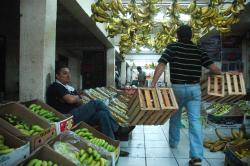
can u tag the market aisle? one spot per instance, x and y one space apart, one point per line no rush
149 147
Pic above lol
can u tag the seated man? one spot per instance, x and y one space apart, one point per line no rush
64 98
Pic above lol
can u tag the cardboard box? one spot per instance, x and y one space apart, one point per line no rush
231 159
114 155
65 122
31 119
76 141
48 154
22 149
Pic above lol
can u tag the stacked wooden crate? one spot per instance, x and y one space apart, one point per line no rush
151 106
228 87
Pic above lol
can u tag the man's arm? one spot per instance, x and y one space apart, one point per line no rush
213 68
71 99
158 71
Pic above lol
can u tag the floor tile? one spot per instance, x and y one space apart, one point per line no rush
158 152
156 144
184 162
138 129
155 137
161 162
134 144
217 162
129 161
137 136
213 155
135 152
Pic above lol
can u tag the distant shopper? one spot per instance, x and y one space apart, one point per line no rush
141 77
186 61
64 98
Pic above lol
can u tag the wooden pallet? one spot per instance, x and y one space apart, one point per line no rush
234 88
151 106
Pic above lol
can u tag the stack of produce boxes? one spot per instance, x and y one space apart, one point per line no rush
25 125
49 114
99 141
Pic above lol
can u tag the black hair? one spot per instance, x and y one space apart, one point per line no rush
139 68
184 33
59 66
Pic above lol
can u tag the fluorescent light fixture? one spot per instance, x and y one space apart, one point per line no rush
185 17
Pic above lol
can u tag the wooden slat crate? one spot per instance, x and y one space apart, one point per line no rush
236 84
234 88
151 106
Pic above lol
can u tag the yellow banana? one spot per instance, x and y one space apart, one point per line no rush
121 7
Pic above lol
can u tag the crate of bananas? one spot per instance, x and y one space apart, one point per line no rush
99 140
24 124
46 156
60 121
238 155
225 114
12 149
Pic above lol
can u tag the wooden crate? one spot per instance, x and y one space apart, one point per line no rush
151 106
235 84
234 88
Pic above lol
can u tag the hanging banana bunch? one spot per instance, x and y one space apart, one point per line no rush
99 12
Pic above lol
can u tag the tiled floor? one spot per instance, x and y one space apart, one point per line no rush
149 147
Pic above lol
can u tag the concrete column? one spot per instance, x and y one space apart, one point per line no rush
74 66
37 47
129 75
123 72
110 74
245 61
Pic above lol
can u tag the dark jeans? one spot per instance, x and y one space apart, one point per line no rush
96 112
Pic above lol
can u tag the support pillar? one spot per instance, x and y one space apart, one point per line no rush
110 74
123 72
37 47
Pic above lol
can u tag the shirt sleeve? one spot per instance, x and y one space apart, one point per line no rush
61 91
167 55
205 60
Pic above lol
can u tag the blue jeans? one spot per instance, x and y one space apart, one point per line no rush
188 96
96 112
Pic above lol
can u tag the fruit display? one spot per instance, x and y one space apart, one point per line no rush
236 138
86 134
101 93
37 162
86 157
244 107
48 115
4 149
23 127
134 22
90 157
93 94
242 153
221 109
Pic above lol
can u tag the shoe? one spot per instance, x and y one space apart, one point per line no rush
124 130
124 153
195 162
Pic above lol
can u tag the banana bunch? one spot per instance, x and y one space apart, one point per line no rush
49 116
237 6
37 162
119 119
126 43
242 153
90 157
86 134
99 13
23 127
236 138
4 149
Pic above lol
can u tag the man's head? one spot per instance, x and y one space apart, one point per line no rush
139 69
63 73
184 33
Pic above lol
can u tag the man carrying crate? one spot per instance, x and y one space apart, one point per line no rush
186 61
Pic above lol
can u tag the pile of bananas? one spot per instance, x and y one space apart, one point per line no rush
221 109
84 132
4 149
90 157
37 162
134 22
23 127
242 153
236 138
49 116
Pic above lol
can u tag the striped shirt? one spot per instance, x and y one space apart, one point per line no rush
186 61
